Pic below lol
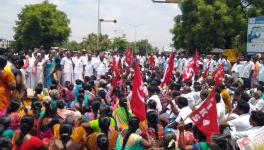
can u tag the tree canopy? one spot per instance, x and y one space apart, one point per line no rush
208 24
120 44
41 24
90 42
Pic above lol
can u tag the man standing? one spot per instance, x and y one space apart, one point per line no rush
78 67
29 75
89 67
101 66
67 66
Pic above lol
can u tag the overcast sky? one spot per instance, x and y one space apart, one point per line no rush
156 19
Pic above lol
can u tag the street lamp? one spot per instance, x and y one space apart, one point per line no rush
135 28
166 1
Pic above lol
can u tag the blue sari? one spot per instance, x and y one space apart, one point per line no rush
48 73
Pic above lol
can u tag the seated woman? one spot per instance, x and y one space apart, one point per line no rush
23 140
44 129
11 111
65 141
122 114
104 124
200 145
129 140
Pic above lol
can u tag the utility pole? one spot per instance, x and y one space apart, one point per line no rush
98 26
135 29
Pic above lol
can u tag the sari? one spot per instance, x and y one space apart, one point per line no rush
94 125
92 140
121 118
15 118
133 142
6 78
48 73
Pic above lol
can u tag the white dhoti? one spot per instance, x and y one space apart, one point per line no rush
30 80
77 76
67 77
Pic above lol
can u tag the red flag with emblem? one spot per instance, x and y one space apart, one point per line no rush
219 74
205 73
205 117
138 95
168 72
188 72
114 64
129 57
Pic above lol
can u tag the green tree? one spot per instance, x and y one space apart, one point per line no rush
208 24
143 47
120 44
72 45
41 24
90 42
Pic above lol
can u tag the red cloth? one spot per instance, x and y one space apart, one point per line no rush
219 74
151 61
129 57
168 73
195 63
205 73
205 117
32 144
188 72
138 95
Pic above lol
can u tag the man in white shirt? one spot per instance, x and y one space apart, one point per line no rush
78 67
89 66
101 66
247 71
29 76
67 68
256 121
182 112
154 96
256 102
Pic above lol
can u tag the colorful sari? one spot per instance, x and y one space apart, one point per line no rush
92 139
133 142
121 118
6 78
48 73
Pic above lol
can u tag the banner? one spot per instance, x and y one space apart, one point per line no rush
255 37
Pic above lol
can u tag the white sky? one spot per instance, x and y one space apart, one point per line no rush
156 19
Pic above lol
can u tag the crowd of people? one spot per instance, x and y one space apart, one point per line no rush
62 100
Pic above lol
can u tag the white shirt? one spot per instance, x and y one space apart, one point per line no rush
261 73
190 99
237 135
89 66
67 63
183 114
247 69
78 65
220 107
256 104
31 61
241 123
157 100
101 67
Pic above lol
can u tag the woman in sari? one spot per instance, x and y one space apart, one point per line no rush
129 140
7 83
122 114
104 124
49 69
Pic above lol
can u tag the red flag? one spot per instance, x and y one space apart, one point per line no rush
151 61
114 64
205 73
195 63
138 95
205 117
219 74
115 80
129 57
119 67
168 72
188 72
